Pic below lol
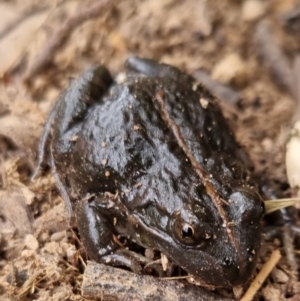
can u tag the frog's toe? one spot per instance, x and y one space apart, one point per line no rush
151 68
121 260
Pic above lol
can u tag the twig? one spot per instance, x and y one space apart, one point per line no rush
296 70
261 276
60 37
288 244
273 57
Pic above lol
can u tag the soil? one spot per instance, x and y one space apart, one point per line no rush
246 52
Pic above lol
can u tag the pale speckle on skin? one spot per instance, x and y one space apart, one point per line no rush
121 78
204 103
74 138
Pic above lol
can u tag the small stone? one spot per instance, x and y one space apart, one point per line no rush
238 292
267 144
62 295
44 237
53 247
231 69
65 246
58 236
271 293
279 276
149 254
71 253
31 242
277 242
253 9
28 253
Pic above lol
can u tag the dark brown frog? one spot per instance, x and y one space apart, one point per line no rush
152 158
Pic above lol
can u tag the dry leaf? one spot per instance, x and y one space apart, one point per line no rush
13 207
21 131
54 220
16 40
274 205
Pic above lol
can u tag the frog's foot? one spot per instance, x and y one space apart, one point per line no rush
121 260
152 68
97 237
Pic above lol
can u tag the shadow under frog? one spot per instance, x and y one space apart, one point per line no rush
151 157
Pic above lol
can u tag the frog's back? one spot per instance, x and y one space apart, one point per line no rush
146 133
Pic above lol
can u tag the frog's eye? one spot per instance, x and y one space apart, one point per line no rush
187 231
184 232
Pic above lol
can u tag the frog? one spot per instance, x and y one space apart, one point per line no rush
150 156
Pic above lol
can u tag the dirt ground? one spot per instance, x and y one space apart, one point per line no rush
246 52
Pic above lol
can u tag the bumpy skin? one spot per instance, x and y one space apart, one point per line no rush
153 158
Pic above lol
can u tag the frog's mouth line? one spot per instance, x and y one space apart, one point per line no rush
199 264
196 262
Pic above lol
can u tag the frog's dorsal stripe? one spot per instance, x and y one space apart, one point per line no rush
159 99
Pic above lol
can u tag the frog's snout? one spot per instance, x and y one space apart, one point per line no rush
236 273
239 261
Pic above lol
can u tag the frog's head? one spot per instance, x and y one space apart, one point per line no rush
219 251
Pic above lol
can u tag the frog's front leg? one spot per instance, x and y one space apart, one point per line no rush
66 119
72 108
97 236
